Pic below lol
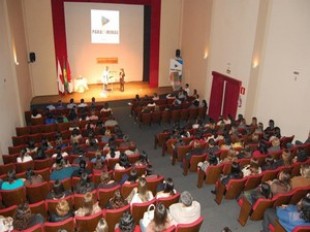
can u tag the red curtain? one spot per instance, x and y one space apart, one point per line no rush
60 31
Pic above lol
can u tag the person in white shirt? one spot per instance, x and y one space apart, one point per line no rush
23 157
187 210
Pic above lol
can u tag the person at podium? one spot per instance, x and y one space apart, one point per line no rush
122 80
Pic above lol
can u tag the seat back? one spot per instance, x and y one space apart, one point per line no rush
234 188
37 192
298 194
105 194
8 211
113 216
213 173
259 208
127 188
195 159
78 199
269 175
190 227
35 228
52 203
152 183
39 208
167 201
42 164
118 174
13 197
138 209
87 223
252 182
68 225
23 167
282 199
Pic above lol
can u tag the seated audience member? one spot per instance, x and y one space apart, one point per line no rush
212 160
187 210
12 182
50 119
72 115
289 216
285 160
35 114
102 226
301 155
24 219
131 178
275 144
168 189
45 144
82 103
98 161
60 153
106 137
106 181
251 169
141 193
84 185
58 191
40 155
268 164
304 179
282 184
6 224
89 207
117 201
235 173
62 171
113 154
71 104
106 108
31 147
82 169
126 224
261 191
32 178
123 162
226 229
76 136
63 212
161 221
24 157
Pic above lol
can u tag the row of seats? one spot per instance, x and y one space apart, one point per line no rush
89 223
37 192
170 116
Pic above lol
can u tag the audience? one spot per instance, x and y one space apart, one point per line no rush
141 193
63 212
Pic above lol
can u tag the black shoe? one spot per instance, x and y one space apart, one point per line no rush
213 192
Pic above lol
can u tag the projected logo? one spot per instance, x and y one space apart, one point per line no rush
104 21
105 26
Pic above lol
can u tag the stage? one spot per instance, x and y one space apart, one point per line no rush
96 90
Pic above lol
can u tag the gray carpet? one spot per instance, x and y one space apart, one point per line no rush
216 217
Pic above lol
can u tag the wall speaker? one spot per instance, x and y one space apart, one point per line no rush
32 57
178 53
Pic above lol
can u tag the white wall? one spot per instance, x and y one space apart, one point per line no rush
281 96
170 37
82 54
11 49
40 37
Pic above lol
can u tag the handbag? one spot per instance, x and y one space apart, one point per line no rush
148 216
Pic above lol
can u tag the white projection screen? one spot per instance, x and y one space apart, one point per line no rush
83 54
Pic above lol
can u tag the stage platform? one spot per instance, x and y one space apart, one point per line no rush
96 90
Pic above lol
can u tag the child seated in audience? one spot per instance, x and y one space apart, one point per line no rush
102 226
167 189
32 178
24 219
117 201
24 157
12 181
58 191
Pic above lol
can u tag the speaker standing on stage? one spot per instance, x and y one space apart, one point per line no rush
105 77
122 80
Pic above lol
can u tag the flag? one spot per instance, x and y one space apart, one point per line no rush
64 72
61 87
69 78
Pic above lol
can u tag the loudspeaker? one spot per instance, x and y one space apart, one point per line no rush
32 57
178 53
